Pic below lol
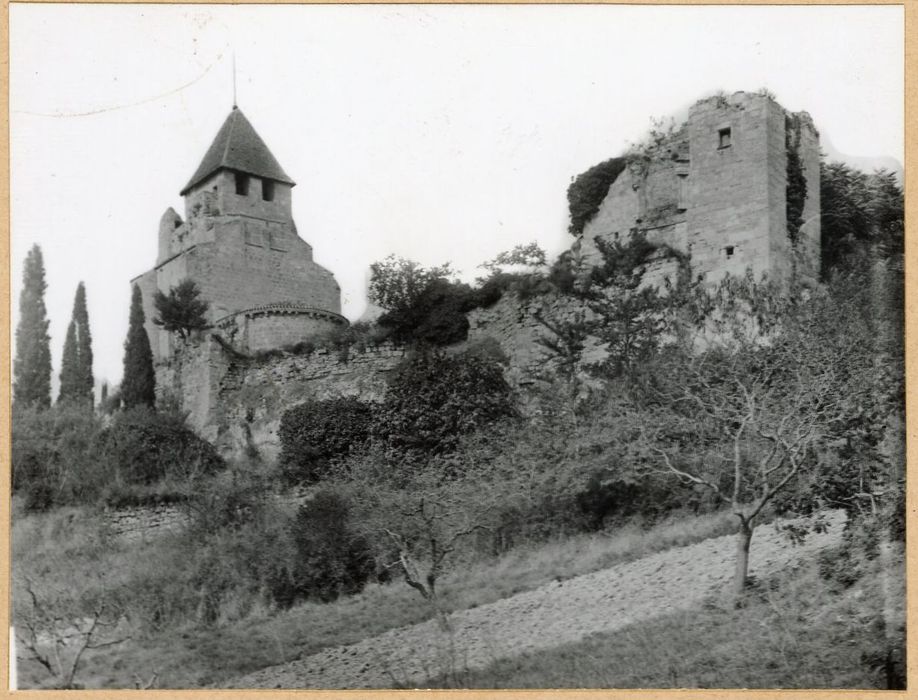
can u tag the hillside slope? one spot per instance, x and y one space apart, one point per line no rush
549 616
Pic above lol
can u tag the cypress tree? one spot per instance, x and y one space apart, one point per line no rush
69 367
84 344
76 366
32 366
139 381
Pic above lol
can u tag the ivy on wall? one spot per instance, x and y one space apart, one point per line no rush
588 189
796 180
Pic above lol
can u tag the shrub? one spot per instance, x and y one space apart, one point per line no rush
236 536
316 431
330 560
143 447
51 459
435 398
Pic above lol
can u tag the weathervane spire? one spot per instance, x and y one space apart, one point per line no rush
234 79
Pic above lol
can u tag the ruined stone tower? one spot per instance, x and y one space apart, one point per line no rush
736 187
239 243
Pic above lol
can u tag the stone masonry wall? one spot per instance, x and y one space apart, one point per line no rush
513 324
246 265
716 189
218 193
270 329
237 402
731 190
648 195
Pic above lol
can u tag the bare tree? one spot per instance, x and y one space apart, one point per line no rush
754 403
58 642
422 517
428 533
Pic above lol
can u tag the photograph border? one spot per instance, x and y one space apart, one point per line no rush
910 189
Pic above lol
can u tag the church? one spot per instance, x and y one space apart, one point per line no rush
239 243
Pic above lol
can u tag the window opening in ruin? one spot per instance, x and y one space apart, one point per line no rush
729 251
724 137
267 190
242 184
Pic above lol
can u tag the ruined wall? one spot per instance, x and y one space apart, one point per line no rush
617 215
191 377
717 190
513 323
733 188
649 195
237 402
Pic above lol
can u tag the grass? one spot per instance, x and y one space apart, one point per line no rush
70 547
797 630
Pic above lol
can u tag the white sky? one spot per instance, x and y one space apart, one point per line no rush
439 133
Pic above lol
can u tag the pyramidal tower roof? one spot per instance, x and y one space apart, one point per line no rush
238 147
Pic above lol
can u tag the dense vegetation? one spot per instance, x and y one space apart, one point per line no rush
68 456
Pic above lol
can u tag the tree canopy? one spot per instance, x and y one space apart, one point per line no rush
423 305
861 213
182 310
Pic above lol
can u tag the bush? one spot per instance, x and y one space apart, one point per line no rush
331 560
236 538
435 398
143 447
316 431
51 459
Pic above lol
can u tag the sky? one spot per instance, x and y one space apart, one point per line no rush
437 133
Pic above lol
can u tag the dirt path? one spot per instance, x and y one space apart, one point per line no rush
554 614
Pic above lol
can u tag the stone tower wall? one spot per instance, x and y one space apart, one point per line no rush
720 197
733 189
240 264
218 194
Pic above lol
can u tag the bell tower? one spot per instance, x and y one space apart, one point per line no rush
239 243
239 175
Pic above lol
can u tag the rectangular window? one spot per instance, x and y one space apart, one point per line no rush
729 250
267 190
724 137
242 184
